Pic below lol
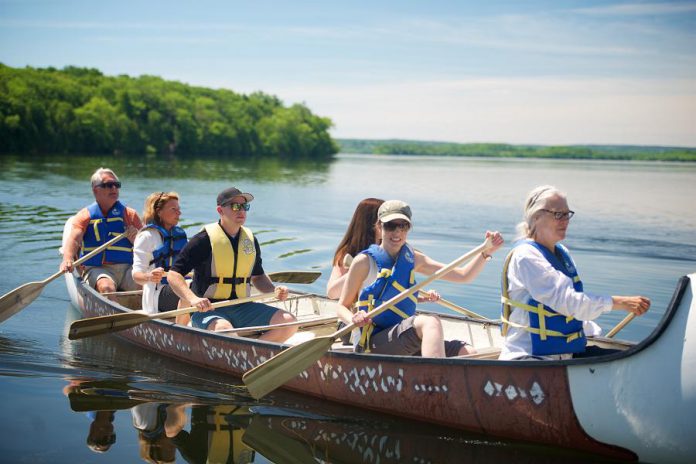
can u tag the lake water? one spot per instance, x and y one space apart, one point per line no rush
634 232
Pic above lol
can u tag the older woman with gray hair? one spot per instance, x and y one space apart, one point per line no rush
544 303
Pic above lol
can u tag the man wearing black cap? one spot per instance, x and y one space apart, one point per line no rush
226 260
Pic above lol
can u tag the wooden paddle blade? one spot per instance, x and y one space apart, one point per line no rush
285 365
294 277
14 301
105 324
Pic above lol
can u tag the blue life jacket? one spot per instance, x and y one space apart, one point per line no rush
173 242
551 332
392 279
102 229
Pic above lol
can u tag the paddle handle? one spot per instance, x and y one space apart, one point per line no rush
621 325
89 255
410 291
219 304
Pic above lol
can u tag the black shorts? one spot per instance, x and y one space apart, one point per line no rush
402 339
167 300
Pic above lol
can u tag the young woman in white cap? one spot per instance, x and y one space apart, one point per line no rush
381 272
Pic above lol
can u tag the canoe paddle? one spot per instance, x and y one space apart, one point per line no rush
287 364
284 277
295 277
99 325
13 302
620 325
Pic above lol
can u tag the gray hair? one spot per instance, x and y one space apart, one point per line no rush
97 176
536 201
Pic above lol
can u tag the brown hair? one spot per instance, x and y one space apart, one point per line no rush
361 230
153 203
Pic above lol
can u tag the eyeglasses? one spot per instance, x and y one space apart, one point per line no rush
560 215
108 185
393 225
239 206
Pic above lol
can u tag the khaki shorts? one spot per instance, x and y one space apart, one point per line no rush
120 275
402 339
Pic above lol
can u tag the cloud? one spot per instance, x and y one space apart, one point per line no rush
529 111
640 9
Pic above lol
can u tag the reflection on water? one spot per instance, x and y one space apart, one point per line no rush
634 232
186 430
80 167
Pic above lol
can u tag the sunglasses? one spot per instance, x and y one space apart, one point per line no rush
239 206
560 215
108 185
393 225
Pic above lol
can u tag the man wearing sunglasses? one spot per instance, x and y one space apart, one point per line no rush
98 223
226 260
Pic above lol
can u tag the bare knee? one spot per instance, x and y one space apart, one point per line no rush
105 285
219 324
281 334
466 349
427 323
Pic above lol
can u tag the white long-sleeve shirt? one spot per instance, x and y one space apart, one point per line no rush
530 275
146 242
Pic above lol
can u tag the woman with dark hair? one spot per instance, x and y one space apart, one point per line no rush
383 271
155 249
362 232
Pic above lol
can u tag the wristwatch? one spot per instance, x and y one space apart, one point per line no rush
486 256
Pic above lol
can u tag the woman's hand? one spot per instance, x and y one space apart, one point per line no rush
425 296
637 305
360 320
155 275
496 240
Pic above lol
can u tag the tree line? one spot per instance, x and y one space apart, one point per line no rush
81 111
500 150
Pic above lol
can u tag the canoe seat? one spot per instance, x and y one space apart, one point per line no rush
488 352
339 346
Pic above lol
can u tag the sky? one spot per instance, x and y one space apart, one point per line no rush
522 72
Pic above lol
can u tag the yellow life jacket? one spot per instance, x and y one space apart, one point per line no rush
230 269
225 443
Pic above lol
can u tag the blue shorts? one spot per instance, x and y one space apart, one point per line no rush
243 315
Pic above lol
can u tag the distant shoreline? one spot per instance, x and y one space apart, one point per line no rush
499 150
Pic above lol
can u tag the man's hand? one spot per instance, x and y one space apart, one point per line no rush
281 292
203 304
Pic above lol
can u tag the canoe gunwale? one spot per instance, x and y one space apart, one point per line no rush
675 301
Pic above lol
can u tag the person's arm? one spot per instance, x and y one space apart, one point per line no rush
531 271
338 277
177 282
261 281
133 224
72 245
465 274
145 243
195 251
176 419
264 285
637 305
357 274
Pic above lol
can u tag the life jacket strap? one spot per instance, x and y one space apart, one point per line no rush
228 280
542 331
